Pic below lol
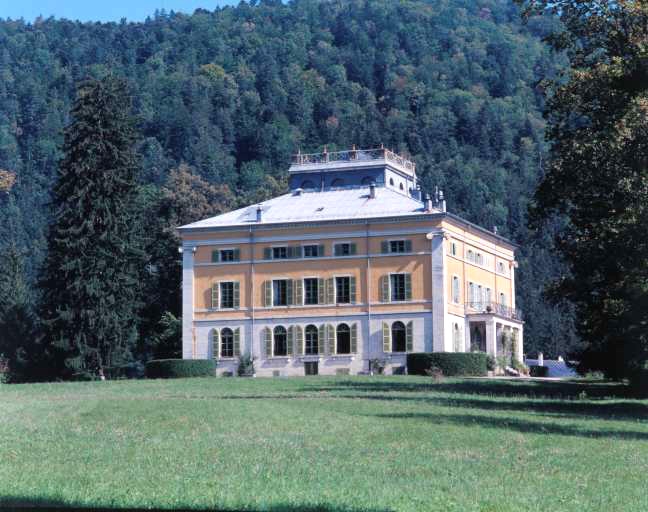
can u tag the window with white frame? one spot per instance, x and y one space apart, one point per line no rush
456 283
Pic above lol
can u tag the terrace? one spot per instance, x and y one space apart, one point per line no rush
304 162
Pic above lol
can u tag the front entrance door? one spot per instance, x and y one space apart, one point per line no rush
310 368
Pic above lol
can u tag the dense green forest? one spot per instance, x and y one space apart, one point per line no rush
223 98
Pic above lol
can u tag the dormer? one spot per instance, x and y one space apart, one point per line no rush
354 168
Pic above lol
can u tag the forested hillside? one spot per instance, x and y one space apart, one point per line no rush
233 93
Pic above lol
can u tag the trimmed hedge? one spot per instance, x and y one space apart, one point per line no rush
538 371
452 364
180 368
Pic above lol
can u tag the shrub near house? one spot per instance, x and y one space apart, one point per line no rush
180 368
450 363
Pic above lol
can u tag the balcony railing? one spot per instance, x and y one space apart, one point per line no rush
493 308
353 155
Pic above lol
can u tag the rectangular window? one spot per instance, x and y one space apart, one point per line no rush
397 246
398 287
312 251
453 249
227 255
311 291
227 295
342 290
455 289
279 253
280 292
345 249
502 299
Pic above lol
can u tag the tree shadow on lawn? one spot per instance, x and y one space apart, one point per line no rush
621 410
21 504
522 426
567 389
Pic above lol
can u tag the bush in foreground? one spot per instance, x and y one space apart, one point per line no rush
180 368
452 364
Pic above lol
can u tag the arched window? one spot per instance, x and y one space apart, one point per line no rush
367 180
399 340
280 341
312 345
337 182
307 184
227 343
401 186
343 339
391 181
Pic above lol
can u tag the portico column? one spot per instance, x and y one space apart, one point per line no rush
187 302
491 337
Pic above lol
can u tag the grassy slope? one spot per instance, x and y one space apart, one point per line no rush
389 443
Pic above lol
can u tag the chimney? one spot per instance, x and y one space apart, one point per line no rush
428 203
259 214
442 201
372 190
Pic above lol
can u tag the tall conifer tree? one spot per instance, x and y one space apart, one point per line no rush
91 273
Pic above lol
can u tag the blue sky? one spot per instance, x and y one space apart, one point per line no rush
100 10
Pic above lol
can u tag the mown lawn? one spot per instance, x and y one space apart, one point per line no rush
360 443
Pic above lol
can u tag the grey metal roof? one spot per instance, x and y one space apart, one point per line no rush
336 204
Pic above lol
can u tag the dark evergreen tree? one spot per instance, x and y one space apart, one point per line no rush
597 177
91 279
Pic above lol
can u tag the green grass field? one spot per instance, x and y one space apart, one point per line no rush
361 443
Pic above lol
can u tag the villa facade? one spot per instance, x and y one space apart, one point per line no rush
350 266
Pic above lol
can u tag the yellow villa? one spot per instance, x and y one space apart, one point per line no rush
352 265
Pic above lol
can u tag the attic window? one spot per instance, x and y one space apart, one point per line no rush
391 181
401 187
319 209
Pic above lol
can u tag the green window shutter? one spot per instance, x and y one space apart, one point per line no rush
289 252
330 339
408 246
267 341
289 292
267 253
384 247
409 337
297 251
354 248
320 250
290 340
214 295
386 335
215 339
237 342
237 255
336 249
298 288
330 290
299 340
384 288
237 294
321 339
321 291
408 286
354 338
267 293
215 256
352 289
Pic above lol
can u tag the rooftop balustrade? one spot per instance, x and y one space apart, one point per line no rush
352 156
